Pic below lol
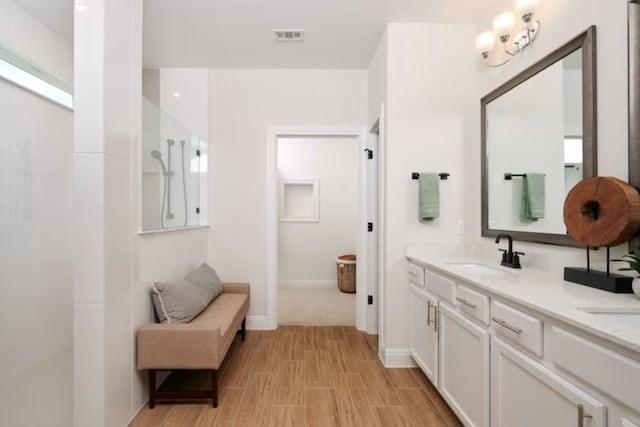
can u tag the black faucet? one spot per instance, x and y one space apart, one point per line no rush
509 257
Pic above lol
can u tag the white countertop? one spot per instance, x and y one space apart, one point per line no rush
542 291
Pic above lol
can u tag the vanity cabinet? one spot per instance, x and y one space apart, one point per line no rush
452 350
527 394
464 366
422 332
499 364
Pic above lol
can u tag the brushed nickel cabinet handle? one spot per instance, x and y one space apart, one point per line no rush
504 324
582 415
428 313
465 302
436 321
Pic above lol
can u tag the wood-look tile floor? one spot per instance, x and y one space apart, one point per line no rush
305 376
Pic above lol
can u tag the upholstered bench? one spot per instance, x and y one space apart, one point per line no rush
186 340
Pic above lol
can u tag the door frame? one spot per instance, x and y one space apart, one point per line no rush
273 133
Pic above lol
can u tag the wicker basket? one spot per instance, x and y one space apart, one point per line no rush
346 267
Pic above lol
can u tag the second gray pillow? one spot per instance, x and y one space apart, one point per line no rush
206 281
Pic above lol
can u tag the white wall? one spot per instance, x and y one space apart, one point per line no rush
561 21
307 251
36 323
377 74
242 104
430 106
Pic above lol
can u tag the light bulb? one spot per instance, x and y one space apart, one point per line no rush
485 42
527 8
503 24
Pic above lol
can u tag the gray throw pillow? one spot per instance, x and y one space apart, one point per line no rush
207 281
177 302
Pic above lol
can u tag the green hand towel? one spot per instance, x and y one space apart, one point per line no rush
429 204
532 197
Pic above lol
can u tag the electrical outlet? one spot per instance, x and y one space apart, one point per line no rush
459 227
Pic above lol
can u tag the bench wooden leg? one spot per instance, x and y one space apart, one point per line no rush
214 388
152 388
243 329
154 395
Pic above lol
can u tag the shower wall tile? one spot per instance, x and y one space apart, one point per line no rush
88 365
88 230
118 367
89 71
141 313
117 227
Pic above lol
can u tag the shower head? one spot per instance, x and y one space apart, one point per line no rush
158 156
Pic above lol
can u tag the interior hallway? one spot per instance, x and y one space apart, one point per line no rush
314 376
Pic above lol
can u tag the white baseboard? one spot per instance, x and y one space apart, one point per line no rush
397 358
258 323
306 284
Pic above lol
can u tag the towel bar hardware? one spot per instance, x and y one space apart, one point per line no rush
508 176
443 175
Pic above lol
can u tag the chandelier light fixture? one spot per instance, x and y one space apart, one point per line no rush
503 26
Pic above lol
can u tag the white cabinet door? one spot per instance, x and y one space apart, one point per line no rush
424 340
528 394
464 367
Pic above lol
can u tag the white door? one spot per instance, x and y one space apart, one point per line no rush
423 335
464 367
527 394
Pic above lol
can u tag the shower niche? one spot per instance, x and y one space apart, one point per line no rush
174 173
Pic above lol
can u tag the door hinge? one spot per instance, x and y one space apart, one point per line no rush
369 153
197 210
370 299
369 227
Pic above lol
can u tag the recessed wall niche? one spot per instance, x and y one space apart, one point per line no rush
299 200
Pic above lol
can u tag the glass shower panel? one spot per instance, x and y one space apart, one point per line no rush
171 174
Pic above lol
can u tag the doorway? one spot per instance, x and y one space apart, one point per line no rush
301 191
317 222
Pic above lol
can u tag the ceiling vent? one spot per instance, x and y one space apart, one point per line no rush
289 35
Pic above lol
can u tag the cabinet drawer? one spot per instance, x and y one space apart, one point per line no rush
443 287
517 326
605 369
473 303
416 275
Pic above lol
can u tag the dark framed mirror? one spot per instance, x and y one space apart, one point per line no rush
542 125
634 100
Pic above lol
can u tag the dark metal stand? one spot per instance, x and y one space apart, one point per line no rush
605 281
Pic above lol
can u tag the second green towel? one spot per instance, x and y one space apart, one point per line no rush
532 208
429 203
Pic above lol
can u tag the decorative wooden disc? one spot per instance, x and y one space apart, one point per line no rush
602 211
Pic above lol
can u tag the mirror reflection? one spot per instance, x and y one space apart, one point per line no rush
534 148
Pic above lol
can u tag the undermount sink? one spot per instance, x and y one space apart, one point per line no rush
626 315
477 268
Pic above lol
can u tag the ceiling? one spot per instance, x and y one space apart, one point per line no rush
239 33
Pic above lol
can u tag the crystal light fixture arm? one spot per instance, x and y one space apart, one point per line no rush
502 27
